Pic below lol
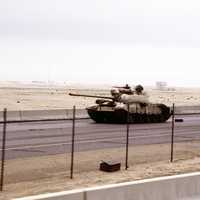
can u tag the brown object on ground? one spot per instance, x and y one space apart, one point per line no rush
110 166
178 120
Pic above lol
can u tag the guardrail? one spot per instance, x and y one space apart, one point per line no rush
180 187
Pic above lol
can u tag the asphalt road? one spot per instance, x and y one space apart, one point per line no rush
54 137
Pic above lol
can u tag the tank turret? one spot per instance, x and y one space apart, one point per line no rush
116 108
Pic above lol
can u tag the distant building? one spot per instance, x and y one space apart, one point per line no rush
161 85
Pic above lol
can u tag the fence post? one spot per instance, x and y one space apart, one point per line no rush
172 135
72 149
127 137
20 115
3 148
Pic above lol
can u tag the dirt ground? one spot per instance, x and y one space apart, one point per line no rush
36 175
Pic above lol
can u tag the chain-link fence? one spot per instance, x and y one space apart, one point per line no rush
63 144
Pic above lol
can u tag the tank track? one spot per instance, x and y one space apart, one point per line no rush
121 116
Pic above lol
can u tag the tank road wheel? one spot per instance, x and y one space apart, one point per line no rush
120 116
104 119
145 118
165 112
153 118
161 118
131 118
140 119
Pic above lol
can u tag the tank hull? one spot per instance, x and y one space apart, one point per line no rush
121 116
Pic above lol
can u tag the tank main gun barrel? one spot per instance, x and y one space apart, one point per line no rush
122 87
93 96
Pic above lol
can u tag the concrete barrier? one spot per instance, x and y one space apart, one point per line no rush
187 109
178 187
43 114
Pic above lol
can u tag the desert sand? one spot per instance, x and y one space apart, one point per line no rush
38 97
44 174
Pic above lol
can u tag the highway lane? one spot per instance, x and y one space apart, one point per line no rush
54 137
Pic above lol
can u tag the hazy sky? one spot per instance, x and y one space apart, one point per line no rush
101 41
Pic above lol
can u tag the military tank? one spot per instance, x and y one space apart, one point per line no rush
125 105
